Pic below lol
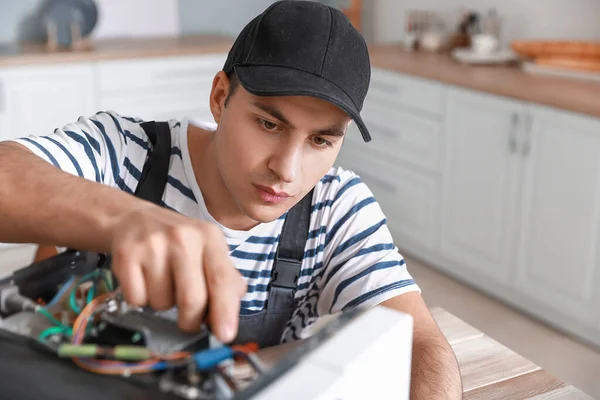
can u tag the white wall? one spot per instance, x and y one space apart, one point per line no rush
529 19
137 18
226 17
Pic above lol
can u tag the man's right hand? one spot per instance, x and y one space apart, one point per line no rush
163 259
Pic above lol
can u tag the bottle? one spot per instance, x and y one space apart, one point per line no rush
491 24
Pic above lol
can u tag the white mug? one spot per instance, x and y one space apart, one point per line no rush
484 43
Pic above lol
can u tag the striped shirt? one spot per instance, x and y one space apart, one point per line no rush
349 261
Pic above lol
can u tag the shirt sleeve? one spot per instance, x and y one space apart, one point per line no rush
364 267
99 148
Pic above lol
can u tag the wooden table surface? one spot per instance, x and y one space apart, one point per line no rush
489 369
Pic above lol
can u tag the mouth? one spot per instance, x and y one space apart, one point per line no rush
272 196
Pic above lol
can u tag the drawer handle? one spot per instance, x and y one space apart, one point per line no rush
377 181
515 121
3 100
385 87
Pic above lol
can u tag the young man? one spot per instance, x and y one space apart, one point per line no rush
294 80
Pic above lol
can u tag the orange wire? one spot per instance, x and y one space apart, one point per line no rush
143 367
250 347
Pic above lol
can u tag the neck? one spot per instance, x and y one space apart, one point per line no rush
219 202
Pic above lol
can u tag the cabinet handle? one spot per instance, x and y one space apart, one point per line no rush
514 128
526 149
2 98
376 180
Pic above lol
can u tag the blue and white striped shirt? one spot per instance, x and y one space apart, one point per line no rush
350 259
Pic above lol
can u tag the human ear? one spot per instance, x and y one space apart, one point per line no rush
218 95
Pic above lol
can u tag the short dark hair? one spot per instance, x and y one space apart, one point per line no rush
233 84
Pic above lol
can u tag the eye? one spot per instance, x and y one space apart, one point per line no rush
267 125
320 142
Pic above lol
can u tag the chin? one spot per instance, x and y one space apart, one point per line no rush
264 213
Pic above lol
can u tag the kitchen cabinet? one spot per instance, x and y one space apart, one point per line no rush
500 193
407 198
520 207
479 183
37 100
159 88
401 163
558 259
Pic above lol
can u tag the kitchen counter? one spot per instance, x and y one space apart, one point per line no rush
579 96
488 369
568 94
32 54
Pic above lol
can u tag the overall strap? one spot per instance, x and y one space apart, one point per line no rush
156 169
288 260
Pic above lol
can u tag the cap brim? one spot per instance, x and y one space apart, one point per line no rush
261 80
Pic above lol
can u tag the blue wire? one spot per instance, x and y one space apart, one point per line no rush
160 365
210 358
61 292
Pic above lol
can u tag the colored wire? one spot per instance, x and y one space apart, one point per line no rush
84 316
106 368
45 313
54 330
250 347
72 296
61 292
90 294
109 367
107 278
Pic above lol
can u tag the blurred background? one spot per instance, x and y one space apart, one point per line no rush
486 124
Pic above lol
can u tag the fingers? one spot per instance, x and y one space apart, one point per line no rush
128 271
157 274
171 260
226 287
190 287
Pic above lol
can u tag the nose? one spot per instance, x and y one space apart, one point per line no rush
285 161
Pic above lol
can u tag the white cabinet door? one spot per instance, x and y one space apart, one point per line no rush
479 183
37 100
558 257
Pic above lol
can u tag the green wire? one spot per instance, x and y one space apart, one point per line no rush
58 325
46 314
54 330
73 304
107 278
72 299
90 295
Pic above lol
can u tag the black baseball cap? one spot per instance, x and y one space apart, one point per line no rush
304 48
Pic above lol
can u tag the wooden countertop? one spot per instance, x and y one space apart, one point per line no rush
35 54
489 370
568 94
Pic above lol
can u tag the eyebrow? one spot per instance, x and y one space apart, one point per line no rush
274 112
329 132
